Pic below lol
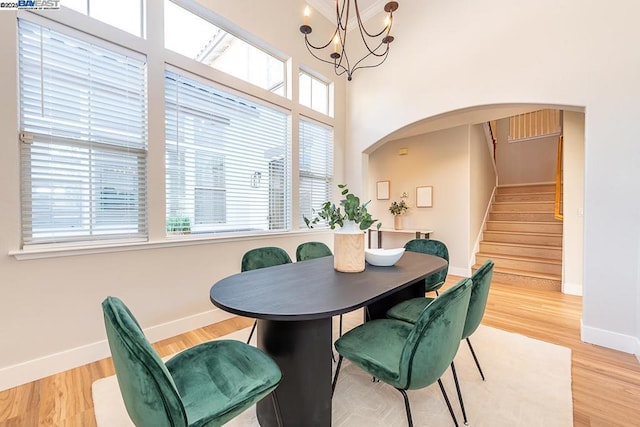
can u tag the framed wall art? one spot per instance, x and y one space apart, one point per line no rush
424 197
382 190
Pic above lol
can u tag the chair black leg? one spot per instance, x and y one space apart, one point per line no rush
446 399
340 325
455 379
253 328
276 408
406 406
335 378
473 353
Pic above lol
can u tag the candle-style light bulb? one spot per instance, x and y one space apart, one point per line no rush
336 42
307 12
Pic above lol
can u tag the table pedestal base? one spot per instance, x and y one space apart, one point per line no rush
302 350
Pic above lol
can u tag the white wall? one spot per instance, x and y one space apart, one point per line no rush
50 315
482 185
573 203
527 161
439 63
457 163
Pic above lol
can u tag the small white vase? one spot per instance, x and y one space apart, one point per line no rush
397 222
348 247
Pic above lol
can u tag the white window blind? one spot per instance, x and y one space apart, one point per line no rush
316 167
83 123
227 160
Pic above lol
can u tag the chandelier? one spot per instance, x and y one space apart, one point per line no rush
376 45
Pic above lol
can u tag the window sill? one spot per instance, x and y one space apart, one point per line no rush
56 251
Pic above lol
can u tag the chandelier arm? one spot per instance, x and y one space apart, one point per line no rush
337 65
380 55
309 44
363 28
368 66
341 13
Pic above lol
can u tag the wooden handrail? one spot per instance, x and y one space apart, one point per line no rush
557 208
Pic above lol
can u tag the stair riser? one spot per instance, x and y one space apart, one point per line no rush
542 188
526 207
524 227
548 253
542 197
526 281
532 266
521 216
526 239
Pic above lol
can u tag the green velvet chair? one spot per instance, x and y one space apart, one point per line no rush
410 310
312 250
410 356
264 257
431 247
206 385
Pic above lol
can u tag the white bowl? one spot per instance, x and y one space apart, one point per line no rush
383 257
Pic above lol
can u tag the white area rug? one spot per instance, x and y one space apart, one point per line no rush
528 383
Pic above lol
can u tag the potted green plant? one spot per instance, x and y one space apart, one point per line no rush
349 209
397 209
353 218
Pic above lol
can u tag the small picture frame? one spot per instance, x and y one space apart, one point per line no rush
382 190
424 197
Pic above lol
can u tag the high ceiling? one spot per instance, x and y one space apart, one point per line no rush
368 8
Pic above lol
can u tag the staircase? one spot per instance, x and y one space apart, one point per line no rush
522 237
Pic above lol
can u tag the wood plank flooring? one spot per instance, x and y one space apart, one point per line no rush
605 383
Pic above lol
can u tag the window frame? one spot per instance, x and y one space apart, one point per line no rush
159 59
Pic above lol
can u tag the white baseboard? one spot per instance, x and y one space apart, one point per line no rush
609 339
637 351
15 375
458 271
572 289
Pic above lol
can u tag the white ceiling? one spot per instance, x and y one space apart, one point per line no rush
368 8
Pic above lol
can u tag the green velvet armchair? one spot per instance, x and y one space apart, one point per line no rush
431 247
312 250
410 310
410 356
267 256
206 385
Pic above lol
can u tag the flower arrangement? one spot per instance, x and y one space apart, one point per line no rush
398 208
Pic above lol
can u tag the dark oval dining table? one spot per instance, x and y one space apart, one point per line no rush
294 304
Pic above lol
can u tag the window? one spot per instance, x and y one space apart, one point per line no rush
83 123
126 15
227 160
316 167
537 124
212 46
314 93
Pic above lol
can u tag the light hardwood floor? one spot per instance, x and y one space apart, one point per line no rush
605 383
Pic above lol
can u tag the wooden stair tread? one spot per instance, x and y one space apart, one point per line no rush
520 258
522 245
526 202
527 222
526 233
547 276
